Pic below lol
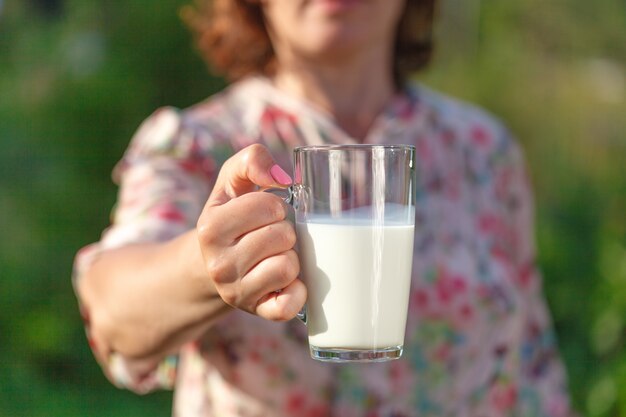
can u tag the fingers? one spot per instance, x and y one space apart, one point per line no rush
283 305
263 243
242 173
245 241
249 257
271 275
222 225
258 264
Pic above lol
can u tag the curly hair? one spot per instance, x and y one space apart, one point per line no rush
248 50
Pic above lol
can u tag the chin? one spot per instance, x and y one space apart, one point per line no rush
335 40
333 52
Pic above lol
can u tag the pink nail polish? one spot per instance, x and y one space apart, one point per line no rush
280 176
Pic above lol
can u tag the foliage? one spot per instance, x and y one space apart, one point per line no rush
77 77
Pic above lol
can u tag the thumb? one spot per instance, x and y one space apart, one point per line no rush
248 169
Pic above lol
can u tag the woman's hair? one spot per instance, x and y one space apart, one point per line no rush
231 36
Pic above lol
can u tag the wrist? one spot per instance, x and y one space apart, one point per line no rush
194 270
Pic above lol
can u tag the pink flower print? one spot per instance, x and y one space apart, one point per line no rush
558 405
526 277
488 223
402 377
318 410
444 293
448 137
254 356
295 402
273 370
442 352
169 212
279 126
504 258
453 187
466 312
204 166
463 311
300 404
406 109
502 185
235 378
499 253
493 225
503 396
459 284
287 130
424 152
272 113
273 344
419 301
480 136
448 287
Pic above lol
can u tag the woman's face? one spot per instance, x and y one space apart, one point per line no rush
331 28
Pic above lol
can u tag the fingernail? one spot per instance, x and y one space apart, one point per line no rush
280 176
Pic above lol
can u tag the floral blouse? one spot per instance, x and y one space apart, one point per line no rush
479 338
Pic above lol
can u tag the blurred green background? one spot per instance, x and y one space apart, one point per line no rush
78 76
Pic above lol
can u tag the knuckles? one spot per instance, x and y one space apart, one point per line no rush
206 233
282 269
288 267
220 271
266 205
254 152
289 236
230 297
225 281
281 235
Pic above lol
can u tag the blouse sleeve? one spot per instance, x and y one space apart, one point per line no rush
543 376
164 180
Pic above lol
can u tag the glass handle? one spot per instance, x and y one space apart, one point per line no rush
288 196
302 314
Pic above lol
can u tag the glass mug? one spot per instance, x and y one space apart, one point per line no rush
355 218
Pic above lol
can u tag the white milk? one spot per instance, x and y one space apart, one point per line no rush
358 279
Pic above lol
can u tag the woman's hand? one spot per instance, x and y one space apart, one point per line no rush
247 243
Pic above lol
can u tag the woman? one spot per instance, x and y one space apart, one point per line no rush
193 249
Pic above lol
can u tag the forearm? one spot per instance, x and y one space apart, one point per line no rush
146 300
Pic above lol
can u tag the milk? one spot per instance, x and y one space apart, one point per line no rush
358 279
